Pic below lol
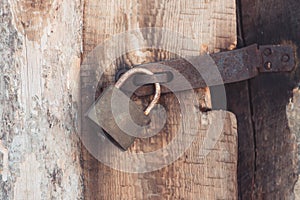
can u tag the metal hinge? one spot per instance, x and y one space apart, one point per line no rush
213 69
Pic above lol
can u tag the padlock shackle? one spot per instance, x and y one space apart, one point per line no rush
138 70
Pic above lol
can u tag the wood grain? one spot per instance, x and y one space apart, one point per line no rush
212 27
39 75
275 162
240 104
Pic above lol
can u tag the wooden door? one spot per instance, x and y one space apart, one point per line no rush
43 44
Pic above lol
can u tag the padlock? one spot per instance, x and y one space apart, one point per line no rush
108 111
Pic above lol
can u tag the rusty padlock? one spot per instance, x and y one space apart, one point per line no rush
112 113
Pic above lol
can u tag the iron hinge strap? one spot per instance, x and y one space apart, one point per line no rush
232 66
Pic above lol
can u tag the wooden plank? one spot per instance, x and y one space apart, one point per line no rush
272 22
293 110
190 177
276 160
39 74
212 26
238 101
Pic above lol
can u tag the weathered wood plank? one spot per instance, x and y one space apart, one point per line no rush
190 177
239 103
273 22
276 149
39 75
212 26
293 110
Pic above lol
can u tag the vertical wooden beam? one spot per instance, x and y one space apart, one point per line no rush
239 103
272 22
212 26
39 75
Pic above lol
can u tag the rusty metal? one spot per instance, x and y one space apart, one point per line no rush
233 66
134 71
101 113
144 79
281 58
117 124
180 75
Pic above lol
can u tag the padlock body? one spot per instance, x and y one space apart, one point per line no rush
108 112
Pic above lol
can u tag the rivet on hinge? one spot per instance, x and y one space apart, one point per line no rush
285 58
268 65
267 52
